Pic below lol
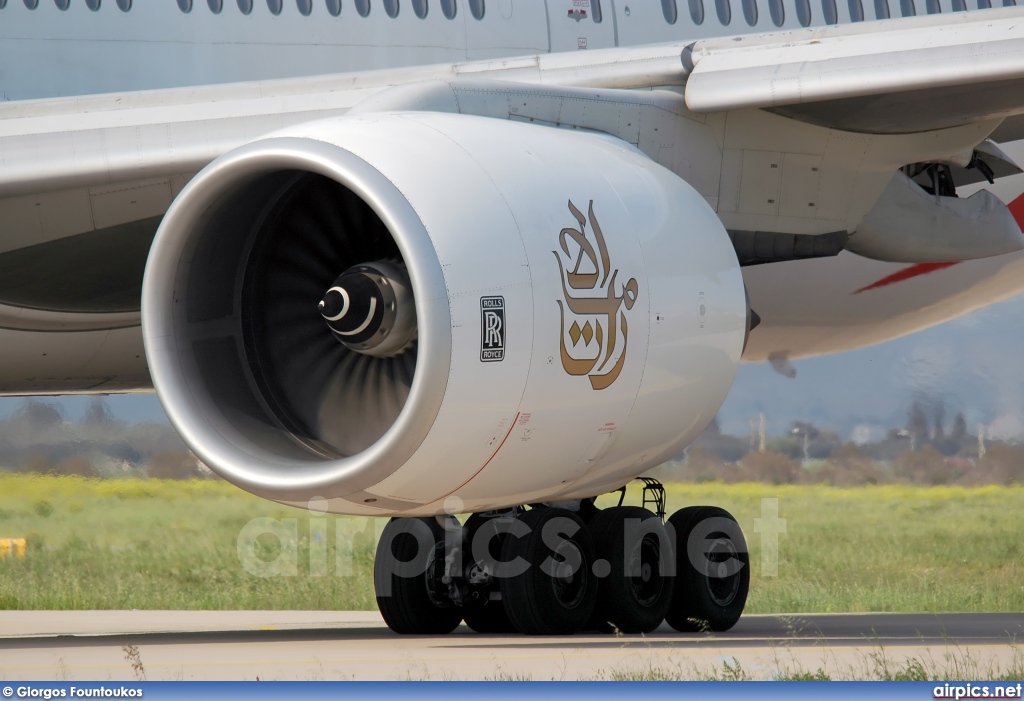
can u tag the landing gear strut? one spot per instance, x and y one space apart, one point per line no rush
545 571
484 610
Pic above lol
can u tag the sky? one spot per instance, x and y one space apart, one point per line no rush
973 365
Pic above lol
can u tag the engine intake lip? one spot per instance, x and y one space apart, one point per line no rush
192 409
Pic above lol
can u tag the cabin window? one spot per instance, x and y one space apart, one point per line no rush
448 9
829 12
245 6
803 12
933 7
124 5
777 11
476 8
697 11
31 4
305 7
61 4
750 11
1009 3
420 8
670 11
724 10
185 5
333 7
215 5
275 6
363 7
907 8
94 5
595 11
881 9
391 8
959 6
856 11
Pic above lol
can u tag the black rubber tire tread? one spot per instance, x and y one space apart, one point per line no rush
528 598
491 616
693 609
410 610
616 607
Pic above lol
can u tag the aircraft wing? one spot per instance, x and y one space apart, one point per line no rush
60 143
908 75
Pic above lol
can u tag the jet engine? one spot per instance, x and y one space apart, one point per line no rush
407 313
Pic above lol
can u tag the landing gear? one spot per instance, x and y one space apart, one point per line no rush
484 611
408 573
634 546
713 574
555 591
543 571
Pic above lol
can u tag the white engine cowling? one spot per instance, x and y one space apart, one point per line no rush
579 314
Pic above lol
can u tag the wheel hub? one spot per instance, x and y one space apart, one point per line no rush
722 586
647 586
569 583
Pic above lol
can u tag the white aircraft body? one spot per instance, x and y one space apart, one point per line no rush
413 258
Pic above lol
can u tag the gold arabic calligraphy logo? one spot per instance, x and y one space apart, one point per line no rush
603 313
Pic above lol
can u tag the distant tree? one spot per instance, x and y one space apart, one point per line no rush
959 430
80 465
791 446
917 425
803 429
695 465
848 466
37 461
38 414
98 414
724 447
929 466
806 441
173 466
1003 464
770 468
953 443
940 417
824 445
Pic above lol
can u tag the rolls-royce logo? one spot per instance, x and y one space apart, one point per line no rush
589 289
492 329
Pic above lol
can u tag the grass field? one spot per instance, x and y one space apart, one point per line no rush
148 544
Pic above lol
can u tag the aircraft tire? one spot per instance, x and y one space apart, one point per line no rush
410 604
556 591
631 604
711 594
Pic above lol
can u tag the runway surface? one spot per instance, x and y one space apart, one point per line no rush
59 645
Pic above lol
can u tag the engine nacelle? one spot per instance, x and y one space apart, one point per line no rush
579 314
